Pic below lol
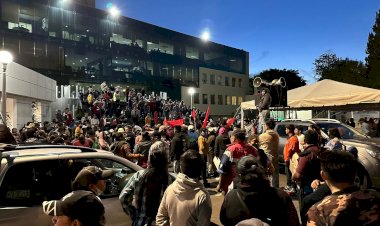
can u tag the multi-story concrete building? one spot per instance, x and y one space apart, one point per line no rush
75 43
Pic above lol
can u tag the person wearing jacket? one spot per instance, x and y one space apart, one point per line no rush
268 141
253 197
203 151
177 147
186 201
142 194
231 156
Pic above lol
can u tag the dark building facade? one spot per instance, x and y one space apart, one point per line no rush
77 43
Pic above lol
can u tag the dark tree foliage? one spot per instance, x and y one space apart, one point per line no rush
292 77
373 53
329 66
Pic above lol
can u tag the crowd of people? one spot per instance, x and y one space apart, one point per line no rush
246 167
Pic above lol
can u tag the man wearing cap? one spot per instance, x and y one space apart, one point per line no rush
231 156
92 178
80 208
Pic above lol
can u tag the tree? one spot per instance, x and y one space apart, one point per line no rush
292 78
329 66
373 53
324 65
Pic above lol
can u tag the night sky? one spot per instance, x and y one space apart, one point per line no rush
283 34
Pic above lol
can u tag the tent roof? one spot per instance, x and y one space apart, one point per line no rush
331 93
248 105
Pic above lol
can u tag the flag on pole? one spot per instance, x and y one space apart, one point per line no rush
206 118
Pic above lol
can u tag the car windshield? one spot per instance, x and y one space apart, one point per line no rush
346 132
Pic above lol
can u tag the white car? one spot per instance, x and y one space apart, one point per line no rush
30 175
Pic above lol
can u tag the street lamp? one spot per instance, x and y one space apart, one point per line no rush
191 91
5 58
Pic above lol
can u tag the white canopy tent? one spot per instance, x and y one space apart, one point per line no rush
247 105
327 93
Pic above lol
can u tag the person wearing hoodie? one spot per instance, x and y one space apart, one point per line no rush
186 201
253 197
268 141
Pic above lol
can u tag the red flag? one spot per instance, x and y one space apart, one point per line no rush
206 118
230 121
194 114
165 122
173 123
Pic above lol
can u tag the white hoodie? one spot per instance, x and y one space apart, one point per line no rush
185 202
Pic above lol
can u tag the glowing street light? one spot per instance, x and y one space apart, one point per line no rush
206 36
5 58
114 11
191 91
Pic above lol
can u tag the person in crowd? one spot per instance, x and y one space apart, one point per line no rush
351 122
264 158
192 134
142 148
308 168
81 141
142 195
79 208
365 127
221 142
211 168
253 197
103 145
231 156
92 178
290 148
347 205
263 107
16 135
186 201
177 147
268 141
203 151
298 131
334 142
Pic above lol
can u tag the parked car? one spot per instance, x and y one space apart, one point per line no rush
368 148
30 175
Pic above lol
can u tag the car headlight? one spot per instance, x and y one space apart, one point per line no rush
374 154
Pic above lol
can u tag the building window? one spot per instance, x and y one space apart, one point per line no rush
212 99
228 100
219 79
192 53
240 99
227 81
233 82
204 99
204 78
220 99
196 98
233 102
212 79
239 82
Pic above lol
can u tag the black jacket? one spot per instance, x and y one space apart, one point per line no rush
177 146
271 205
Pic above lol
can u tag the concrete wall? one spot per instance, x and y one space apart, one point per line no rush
25 86
216 89
22 81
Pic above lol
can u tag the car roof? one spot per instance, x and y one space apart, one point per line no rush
39 150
